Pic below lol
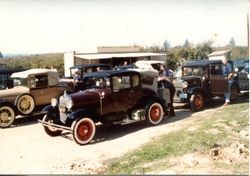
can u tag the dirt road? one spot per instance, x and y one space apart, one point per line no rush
27 149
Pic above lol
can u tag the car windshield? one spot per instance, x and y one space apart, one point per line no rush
97 82
194 71
20 81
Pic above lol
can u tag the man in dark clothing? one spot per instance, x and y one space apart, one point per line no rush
228 72
164 82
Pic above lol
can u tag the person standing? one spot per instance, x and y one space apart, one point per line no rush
164 81
166 72
228 72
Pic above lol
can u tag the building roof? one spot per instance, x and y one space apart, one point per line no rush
90 66
94 56
219 53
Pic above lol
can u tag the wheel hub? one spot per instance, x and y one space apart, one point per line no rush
25 104
4 116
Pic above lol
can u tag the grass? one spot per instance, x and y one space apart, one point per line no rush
156 154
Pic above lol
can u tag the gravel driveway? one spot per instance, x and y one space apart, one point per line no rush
27 149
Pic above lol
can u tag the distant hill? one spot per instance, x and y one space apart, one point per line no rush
50 60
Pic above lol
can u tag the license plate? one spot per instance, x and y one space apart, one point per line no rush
183 95
62 108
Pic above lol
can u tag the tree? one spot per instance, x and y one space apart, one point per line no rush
1 55
203 50
186 44
166 45
232 42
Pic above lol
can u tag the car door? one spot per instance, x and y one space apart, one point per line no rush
218 83
39 89
121 94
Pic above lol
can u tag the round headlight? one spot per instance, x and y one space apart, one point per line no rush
69 103
185 84
54 102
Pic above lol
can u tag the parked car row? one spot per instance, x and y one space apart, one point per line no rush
122 96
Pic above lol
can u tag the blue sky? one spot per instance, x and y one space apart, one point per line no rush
40 26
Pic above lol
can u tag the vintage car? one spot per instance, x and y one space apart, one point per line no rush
242 73
202 80
6 82
115 96
149 64
81 70
32 88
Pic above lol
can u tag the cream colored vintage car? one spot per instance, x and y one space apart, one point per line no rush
32 88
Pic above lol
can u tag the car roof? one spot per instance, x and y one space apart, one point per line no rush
125 67
90 65
147 63
109 73
25 74
201 63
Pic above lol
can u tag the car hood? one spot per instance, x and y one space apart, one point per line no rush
89 96
13 92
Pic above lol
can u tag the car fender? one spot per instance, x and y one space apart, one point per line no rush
7 103
192 90
22 95
159 100
79 113
51 111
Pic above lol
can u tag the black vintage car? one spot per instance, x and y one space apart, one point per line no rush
115 96
79 71
202 80
242 73
6 82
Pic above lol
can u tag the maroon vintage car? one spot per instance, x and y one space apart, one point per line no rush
115 96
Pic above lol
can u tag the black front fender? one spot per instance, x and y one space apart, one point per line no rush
80 113
51 111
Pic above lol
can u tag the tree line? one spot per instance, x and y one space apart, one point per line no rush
175 55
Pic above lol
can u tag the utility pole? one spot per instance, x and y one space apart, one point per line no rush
248 29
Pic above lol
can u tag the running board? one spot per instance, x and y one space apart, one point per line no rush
126 121
59 127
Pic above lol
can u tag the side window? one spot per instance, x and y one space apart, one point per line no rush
147 80
39 81
3 80
121 82
216 70
135 80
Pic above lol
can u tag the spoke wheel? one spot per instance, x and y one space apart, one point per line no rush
7 116
197 102
25 104
154 113
49 129
83 130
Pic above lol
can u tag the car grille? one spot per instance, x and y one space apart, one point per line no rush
63 109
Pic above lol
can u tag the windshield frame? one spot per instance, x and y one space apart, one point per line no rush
97 82
194 71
